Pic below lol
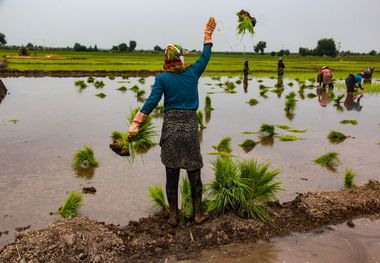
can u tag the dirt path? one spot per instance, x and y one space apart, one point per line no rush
153 240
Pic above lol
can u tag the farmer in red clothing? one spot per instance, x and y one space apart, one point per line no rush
325 77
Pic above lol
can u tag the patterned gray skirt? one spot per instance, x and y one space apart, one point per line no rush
180 147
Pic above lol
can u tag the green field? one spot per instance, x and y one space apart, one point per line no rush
220 63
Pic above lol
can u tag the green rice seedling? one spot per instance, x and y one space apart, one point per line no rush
13 121
229 87
339 98
208 107
262 189
90 79
311 80
124 77
287 138
263 87
336 137
99 84
263 94
310 86
302 87
349 177
253 102
290 129
135 88
248 145
156 193
186 199
311 95
85 158
200 120
290 84
81 84
72 204
140 93
101 95
259 80
121 143
328 160
216 78
245 23
243 187
248 132
238 82
141 80
290 102
224 145
111 77
267 130
353 122
122 89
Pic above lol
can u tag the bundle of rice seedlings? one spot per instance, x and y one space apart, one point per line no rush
336 137
238 82
253 102
99 84
263 87
122 89
135 88
248 132
101 95
328 160
90 79
208 107
349 177
353 122
142 142
290 129
311 95
243 188
200 120
267 130
302 87
157 195
111 77
290 102
186 199
259 80
81 84
229 87
124 77
142 80
246 23
85 158
290 84
339 98
217 78
224 145
287 138
72 204
248 145
140 94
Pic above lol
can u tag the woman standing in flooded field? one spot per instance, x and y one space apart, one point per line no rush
180 146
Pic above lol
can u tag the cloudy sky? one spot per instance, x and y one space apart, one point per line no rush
286 24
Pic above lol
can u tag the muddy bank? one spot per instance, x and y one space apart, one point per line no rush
153 240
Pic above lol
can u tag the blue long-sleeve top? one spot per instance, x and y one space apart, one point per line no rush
358 78
180 90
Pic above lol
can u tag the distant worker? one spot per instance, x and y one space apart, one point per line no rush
354 81
367 73
280 67
325 77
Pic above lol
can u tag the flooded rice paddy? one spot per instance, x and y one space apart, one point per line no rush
43 121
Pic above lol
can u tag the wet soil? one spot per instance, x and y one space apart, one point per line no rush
152 239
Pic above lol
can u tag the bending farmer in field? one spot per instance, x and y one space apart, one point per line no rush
325 77
354 81
280 67
180 146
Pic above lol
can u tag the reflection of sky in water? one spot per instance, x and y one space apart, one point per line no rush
55 120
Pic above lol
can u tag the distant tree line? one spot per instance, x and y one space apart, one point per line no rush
123 47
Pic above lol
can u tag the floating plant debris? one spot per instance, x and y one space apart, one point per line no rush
248 132
287 138
290 129
353 122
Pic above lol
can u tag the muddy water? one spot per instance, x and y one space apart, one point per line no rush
52 120
333 244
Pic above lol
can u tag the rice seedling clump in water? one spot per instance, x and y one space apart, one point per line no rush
290 129
101 95
200 120
353 122
243 187
72 204
328 160
349 177
157 195
267 130
99 84
336 137
248 145
253 102
287 138
85 158
224 145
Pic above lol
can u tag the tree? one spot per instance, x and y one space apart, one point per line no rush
79 47
283 52
305 51
157 49
326 47
123 47
372 53
260 47
2 39
273 53
95 48
132 45
115 48
30 45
